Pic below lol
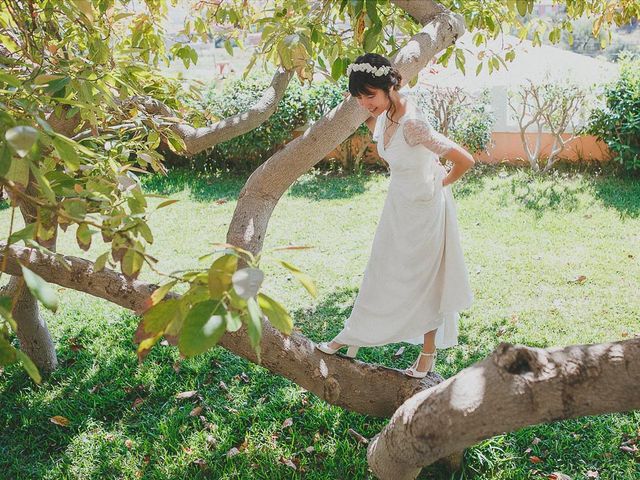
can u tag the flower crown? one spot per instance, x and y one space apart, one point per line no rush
367 67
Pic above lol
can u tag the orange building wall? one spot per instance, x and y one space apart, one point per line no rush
505 147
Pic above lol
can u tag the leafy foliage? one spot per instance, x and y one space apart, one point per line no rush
618 122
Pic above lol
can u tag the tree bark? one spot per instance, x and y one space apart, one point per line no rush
267 183
33 333
356 386
514 387
201 138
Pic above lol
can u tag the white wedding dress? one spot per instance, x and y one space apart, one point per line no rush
416 279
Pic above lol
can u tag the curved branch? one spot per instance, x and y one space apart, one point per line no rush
357 386
201 138
266 185
514 387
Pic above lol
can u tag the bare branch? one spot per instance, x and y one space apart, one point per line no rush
201 138
515 387
359 387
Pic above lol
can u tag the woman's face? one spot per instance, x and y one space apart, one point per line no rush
376 101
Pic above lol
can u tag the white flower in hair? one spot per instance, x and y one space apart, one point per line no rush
367 67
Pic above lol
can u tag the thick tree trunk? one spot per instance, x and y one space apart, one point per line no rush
514 387
356 386
33 333
267 184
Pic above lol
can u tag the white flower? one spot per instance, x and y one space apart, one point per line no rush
367 67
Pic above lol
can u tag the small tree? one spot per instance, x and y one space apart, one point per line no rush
547 106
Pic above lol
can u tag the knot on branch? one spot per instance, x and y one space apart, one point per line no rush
518 359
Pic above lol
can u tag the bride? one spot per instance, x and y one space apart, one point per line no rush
415 281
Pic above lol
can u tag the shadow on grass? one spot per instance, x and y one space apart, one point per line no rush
324 185
545 193
203 187
622 194
125 419
207 187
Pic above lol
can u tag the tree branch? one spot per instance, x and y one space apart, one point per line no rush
201 138
356 386
514 387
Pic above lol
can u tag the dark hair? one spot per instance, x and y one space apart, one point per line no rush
364 82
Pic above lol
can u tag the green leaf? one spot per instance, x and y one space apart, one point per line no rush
83 236
145 231
276 314
521 5
29 366
18 171
25 234
131 263
233 321
67 152
10 79
5 312
254 327
101 262
161 292
40 289
5 159
228 47
7 352
43 183
156 320
203 327
372 11
21 138
220 275
302 277
247 281
166 203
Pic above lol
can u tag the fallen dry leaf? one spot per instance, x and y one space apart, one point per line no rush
535 441
593 474
223 386
59 420
357 436
136 403
195 412
201 463
578 279
188 394
288 463
310 449
534 459
233 452
128 443
287 423
558 476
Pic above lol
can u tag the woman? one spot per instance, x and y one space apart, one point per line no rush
415 281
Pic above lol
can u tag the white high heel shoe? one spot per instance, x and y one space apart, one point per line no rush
413 370
324 347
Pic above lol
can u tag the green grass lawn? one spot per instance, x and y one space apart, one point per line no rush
525 242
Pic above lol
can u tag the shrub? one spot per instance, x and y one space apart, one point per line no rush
618 122
248 151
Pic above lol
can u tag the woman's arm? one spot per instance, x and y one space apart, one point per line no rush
371 123
462 161
419 132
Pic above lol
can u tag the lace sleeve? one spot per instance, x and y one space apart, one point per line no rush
420 132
